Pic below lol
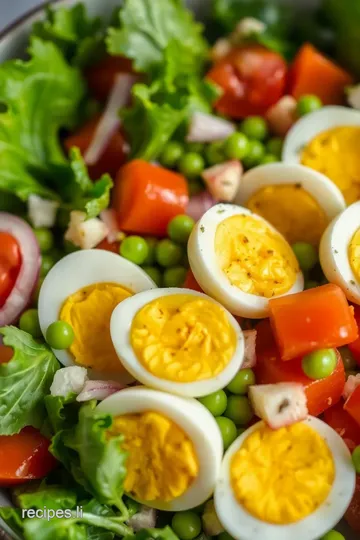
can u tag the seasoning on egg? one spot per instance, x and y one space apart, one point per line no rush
291 210
88 311
183 338
354 254
335 153
162 462
282 476
254 257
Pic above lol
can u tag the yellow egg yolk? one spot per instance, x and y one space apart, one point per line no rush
281 476
354 254
88 311
255 258
183 338
162 462
292 211
335 153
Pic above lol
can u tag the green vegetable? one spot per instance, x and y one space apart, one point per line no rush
171 154
356 459
319 364
306 255
256 152
47 262
12 516
225 536
151 243
168 254
239 410
332 535
269 158
60 335
29 322
216 402
154 273
191 165
187 525
45 239
274 146
254 127
348 359
236 146
24 381
227 429
214 153
54 497
180 227
147 28
62 411
308 104
135 249
196 147
158 534
241 382
175 277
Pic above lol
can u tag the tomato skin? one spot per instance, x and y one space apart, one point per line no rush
101 77
340 420
114 247
352 405
10 264
6 354
24 456
252 79
355 345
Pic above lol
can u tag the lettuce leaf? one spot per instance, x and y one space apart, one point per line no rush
24 381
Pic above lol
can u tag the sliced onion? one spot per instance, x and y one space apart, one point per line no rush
144 519
250 349
99 390
199 204
110 120
208 128
108 216
353 381
21 294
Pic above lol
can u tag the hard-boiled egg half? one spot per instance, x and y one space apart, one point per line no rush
174 447
328 141
83 289
340 252
241 260
177 340
292 483
297 200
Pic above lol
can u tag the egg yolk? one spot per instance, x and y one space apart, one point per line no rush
89 311
281 476
255 258
292 211
354 254
183 338
162 462
335 153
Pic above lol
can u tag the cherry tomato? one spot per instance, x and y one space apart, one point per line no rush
10 263
101 77
343 424
252 79
355 345
6 354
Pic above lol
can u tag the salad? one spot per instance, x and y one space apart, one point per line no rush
180 274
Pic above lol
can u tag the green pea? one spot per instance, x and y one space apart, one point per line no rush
196 147
150 259
47 262
306 255
186 525
180 227
255 127
60 335
227 429
255 154
225 536
135 249
332 535
214 153
175 277
356 459
29 322
171 154
236 146
319 364
274 146
269 158
310 284
45 239
241 382
154 273
308 104
348 359
239 410
191 165
168 253
216 402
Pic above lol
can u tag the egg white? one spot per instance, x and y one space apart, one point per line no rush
196 421
320 187
333 253
310 125
77 270
120 329
243 526
207 272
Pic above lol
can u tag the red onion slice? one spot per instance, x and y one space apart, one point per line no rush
250 349
208 128
199 204
99 390
110 121
20 296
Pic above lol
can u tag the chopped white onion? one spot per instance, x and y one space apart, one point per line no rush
98 390
250 349
199 204
208 128
223 181
85 233
144 519
42 212
353 381
68 380
108 216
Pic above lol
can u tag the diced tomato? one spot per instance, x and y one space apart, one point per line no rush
24 457
114 155
319 318
355 345
10 264
352 514
6 354
352 405
146 197
343 424
321 394
252 79
107 246
101 77
191 283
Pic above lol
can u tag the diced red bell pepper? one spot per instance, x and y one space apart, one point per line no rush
355 345
341 421
101 76
321 394
352 405
319 318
